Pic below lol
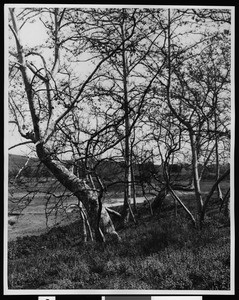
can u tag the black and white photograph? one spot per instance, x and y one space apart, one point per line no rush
118 149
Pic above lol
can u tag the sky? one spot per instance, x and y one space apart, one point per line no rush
32 34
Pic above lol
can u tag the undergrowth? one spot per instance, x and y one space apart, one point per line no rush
163 253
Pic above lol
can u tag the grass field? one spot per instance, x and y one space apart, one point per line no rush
162 252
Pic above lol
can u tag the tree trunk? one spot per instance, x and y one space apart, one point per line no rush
183 206
227 207
133 185
219 192
226 203
196 181
222 177
127 210
158 200
82 191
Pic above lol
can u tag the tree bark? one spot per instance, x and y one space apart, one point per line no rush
82 191
219 192
127 211
196 180
133 185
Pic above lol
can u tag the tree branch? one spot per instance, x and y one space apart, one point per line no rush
20 144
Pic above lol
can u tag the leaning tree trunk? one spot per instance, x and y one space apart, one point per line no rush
84 194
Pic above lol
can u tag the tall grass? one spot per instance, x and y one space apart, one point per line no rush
157 253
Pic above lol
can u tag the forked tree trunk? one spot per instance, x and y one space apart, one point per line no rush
83 192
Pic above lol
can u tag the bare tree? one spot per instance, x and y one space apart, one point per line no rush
122 84
143 69
200 90
49 101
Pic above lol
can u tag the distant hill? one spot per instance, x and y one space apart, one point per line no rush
33 168
107 168
18 161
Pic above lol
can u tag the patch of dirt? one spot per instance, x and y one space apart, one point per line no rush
32 220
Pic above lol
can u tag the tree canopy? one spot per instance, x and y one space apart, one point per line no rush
121 84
